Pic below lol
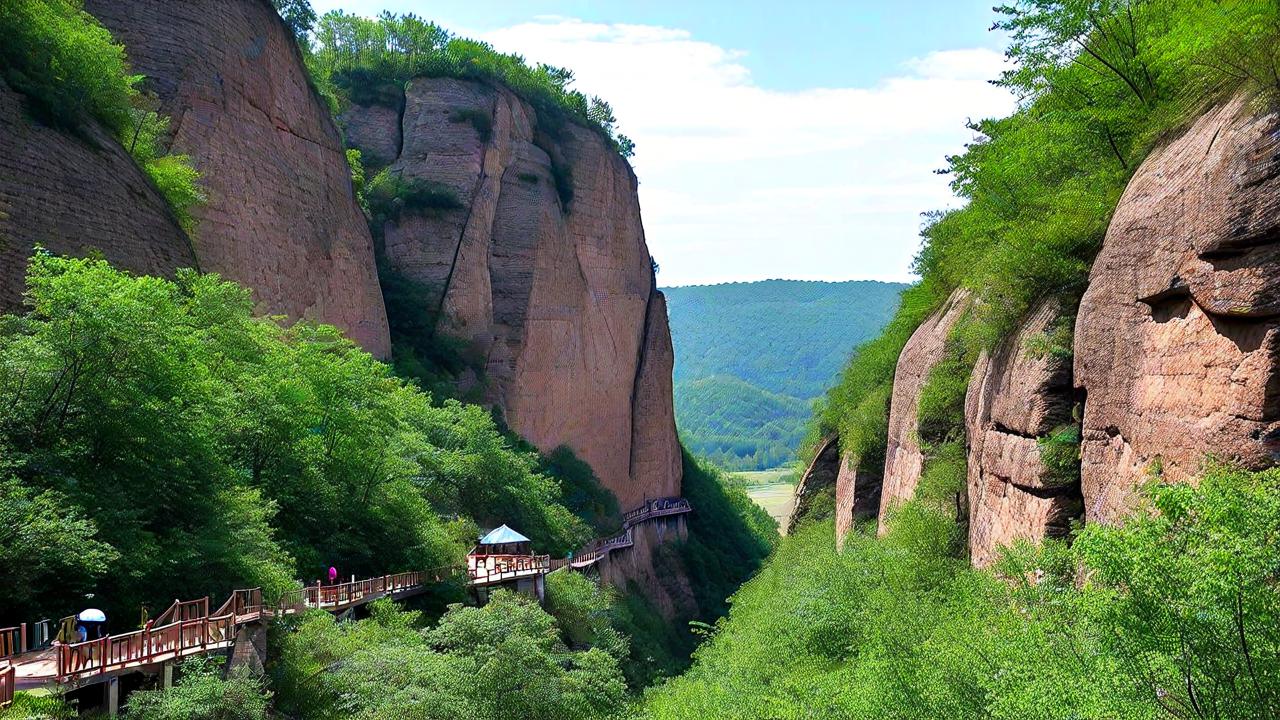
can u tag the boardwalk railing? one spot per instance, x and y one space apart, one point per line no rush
489 569
13 640
656 507
145 646
8 679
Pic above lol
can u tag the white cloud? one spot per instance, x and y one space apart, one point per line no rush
744 182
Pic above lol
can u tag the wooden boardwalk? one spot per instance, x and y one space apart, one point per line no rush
189 627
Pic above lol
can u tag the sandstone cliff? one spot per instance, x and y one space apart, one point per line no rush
1016 398
539 265
77 194
904 460
1178 336
281 216
1176 352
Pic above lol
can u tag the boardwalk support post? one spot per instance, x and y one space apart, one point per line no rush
113 697
166 675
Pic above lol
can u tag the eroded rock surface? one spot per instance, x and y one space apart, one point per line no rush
1016 397
1178 338
77 194
540 267
857 496
904 460
817 480
281 216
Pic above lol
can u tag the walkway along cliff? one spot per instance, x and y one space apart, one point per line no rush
1175 356
30 657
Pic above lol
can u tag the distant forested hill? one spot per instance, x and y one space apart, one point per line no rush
751 357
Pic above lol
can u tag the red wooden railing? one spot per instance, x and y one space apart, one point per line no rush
488 569
8 678
13 640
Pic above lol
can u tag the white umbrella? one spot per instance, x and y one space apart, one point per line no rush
92 615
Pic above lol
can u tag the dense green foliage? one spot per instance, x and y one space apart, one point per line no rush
505 660
175 446
367 61
737 425
1176 618
70 69
201 693
751 357
729 537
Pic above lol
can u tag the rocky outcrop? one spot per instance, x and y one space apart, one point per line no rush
77 194
858 490
651 565
818 479
1178 336
1017 397
534 257
281 216
904 460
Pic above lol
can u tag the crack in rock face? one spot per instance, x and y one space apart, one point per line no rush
1178 335
1016 398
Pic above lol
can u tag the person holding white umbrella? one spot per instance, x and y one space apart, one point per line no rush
92 624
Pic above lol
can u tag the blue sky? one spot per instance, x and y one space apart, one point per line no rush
773 140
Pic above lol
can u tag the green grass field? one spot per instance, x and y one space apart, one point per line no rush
776 499
773 490
768 477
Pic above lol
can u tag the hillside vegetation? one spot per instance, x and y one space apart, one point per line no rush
72 71
752 357
1178 621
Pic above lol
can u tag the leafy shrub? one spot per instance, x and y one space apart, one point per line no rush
1173 610
945 473
242 453
582 492
499 661
389 195
940 406
583 610
1060 454
202 694
356 163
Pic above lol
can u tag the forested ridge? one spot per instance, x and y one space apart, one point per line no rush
752 357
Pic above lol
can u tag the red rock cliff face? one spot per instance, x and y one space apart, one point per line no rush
1178 336
1015 398
555 298
281 216
76 195
904 460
